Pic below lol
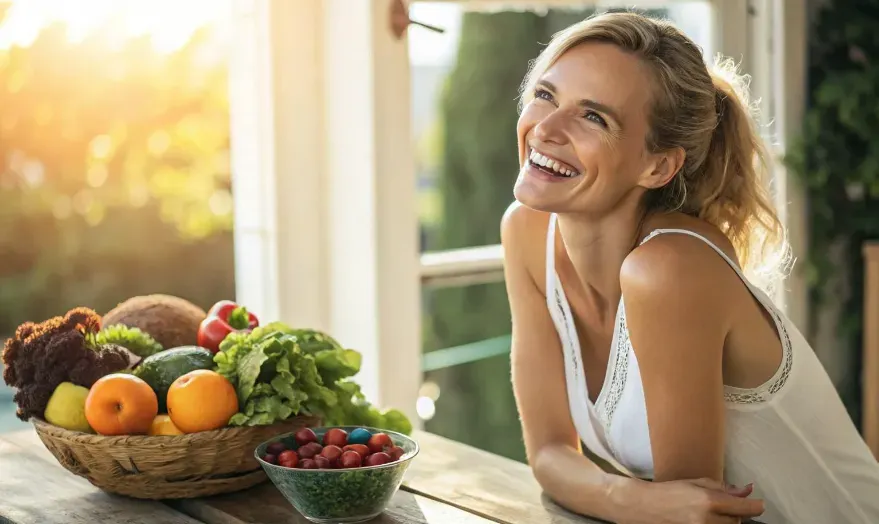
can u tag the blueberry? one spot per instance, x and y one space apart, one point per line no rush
359 436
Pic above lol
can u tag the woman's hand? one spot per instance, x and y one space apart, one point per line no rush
701 501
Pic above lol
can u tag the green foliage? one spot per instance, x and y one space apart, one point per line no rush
836 158
114 174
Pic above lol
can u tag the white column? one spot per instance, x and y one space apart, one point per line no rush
277 161
792 29
375 303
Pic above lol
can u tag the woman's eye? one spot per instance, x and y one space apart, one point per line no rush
595 117
542 93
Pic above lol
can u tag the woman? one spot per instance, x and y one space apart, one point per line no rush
636 330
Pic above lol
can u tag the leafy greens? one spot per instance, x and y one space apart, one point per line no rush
279 371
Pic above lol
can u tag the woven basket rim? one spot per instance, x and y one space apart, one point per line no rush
224 433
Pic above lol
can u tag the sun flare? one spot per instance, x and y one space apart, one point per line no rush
168 23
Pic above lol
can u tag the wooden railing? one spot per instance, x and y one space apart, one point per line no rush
870 377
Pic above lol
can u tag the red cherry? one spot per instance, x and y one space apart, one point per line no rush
351 459
358 448
331 453
380 442
322 462
288 459
307 464
396 452
377 459
336 437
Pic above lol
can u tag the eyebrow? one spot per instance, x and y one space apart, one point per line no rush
585 102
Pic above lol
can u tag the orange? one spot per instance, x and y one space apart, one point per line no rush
201 400
163 425
121 404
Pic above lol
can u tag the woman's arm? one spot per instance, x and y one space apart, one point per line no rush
551 441
678 296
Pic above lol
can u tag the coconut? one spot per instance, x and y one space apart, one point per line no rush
172 321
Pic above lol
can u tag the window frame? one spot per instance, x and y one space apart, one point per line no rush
322 244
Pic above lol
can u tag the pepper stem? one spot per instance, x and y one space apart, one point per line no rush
238 318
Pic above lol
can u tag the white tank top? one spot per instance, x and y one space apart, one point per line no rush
791 437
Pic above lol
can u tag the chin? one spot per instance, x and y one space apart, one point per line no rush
538 195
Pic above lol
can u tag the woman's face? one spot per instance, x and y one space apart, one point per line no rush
582 138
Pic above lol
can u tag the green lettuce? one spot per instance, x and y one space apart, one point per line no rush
279 371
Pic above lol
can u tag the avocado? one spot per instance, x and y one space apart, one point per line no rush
163 368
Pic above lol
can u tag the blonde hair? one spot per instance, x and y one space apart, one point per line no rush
707 114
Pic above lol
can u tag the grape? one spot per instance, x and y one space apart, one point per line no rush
304 436
310 450
276 448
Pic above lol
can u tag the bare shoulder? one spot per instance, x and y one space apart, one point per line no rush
523 224
681 268
523 235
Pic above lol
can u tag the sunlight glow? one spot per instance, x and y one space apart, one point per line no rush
168 23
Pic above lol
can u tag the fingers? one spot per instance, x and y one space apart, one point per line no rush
740 491
721 519
736 506
708 484
726 488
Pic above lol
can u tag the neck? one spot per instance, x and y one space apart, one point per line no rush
597 246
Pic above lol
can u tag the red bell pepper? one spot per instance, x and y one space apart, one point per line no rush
225 317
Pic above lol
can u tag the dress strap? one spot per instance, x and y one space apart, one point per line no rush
550 257
713 246
765 391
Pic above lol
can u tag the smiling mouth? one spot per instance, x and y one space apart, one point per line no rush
550 166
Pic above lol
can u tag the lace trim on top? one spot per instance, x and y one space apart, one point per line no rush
766 391
619 373
560 301
731 394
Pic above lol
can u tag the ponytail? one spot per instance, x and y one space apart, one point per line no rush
729 190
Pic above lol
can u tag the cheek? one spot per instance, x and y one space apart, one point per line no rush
593 149
524 125
532 114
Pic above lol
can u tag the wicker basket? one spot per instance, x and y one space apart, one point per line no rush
166 467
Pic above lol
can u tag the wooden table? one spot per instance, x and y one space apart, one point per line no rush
447 483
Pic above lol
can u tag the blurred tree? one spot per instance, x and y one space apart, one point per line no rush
114 174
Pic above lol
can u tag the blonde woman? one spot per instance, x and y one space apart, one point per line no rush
633 253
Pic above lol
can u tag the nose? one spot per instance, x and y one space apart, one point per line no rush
551 128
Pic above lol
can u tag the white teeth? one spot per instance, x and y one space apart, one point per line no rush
544 161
